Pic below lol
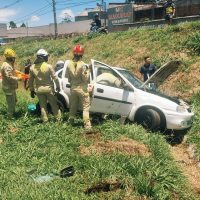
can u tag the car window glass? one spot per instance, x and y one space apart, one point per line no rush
131 78
106 76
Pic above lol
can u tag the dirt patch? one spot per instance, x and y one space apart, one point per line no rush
13 130
188 165
93 135
106 186
123 145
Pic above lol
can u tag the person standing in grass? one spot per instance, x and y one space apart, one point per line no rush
42 76
9 81
147 69
169 11
78 76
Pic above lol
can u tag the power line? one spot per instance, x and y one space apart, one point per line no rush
49 2
78 4
38 11
10 5
41 11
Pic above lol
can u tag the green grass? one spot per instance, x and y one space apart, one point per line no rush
194 136
30 149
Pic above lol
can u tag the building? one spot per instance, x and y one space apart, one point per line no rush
187 7
88 14
123 13
3 30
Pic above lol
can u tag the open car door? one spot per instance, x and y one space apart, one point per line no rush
65 83
109 93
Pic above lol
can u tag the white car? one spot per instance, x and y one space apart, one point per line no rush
137 101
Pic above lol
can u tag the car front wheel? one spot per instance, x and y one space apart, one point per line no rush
149 119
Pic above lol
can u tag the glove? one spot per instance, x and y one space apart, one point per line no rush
58 89
32 94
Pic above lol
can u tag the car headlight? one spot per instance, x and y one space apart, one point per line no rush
181 109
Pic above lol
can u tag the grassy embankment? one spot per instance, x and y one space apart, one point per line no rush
29 149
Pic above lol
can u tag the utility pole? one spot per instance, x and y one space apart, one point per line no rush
27 28
55 20
103 6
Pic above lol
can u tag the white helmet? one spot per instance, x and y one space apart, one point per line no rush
60 62
42 52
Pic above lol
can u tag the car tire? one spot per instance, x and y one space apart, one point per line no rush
60 104
149 119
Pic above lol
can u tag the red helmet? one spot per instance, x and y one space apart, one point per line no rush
78 50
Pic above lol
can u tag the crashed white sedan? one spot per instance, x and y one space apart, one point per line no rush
138 101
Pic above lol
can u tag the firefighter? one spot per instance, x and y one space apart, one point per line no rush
42 76
78 76
9 81
107 78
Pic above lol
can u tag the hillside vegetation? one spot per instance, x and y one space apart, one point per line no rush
120 161
128 48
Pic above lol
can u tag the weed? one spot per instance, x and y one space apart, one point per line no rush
193 43
78 39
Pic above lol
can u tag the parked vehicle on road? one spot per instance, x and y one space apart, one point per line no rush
138 101
96 29
2 42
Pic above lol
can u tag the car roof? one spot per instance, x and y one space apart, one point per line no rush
119 68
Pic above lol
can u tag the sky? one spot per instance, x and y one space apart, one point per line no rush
39 12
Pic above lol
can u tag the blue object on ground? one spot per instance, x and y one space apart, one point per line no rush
31 108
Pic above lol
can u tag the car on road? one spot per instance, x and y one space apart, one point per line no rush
139 102
2 42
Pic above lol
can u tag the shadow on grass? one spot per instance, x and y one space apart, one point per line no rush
175 137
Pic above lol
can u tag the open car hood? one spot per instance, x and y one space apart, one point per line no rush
163 73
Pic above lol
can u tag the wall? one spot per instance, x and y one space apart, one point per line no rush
187 7
153 24
3 30
65 28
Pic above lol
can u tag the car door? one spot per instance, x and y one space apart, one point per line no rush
107 97
65 83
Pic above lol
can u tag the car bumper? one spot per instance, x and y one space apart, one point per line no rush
178 121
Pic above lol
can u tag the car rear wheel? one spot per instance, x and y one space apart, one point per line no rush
149 119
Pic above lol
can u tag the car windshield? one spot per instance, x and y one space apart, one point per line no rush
131 78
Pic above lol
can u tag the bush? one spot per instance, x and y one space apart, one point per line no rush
78 39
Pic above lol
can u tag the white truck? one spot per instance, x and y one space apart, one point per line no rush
138 101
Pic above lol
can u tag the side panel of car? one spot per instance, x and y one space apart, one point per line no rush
111 100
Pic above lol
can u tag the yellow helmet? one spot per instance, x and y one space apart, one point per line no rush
9 53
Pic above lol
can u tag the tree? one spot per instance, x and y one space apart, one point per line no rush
12 24
23 25
67 18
